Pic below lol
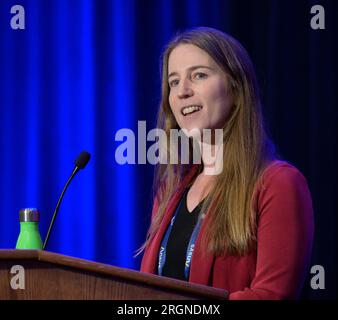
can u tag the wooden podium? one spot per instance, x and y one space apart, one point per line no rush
51 276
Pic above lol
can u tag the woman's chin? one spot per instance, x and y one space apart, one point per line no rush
192 131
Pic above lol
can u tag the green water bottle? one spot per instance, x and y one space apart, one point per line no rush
29 237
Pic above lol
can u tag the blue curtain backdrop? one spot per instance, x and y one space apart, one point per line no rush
83 69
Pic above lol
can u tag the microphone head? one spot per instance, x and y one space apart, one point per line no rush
82 160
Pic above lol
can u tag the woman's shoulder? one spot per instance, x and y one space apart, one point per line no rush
283 195
280 172
281 183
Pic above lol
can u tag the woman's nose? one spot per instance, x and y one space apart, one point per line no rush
185 90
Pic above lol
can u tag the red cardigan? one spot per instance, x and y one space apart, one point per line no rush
277 267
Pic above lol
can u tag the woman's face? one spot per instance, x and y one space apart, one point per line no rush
199 96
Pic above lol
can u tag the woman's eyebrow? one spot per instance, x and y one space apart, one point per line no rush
192 68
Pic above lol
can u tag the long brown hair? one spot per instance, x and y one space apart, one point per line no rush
231 227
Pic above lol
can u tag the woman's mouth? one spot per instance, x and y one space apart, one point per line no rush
190 109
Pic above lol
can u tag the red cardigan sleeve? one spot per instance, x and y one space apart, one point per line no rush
284 236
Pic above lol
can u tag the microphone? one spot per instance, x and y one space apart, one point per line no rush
80 163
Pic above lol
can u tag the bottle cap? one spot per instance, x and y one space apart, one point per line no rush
29 215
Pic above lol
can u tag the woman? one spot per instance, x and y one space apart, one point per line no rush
247 229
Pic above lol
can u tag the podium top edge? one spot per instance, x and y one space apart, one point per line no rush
205 292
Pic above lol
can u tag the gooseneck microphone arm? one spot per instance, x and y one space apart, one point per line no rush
80 163
76 169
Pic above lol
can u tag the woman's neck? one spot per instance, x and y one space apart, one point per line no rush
212 158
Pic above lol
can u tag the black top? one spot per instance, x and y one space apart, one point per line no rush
179 239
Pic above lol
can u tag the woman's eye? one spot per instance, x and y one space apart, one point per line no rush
173 83
200 75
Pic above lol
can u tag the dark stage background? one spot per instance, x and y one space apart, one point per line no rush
81 70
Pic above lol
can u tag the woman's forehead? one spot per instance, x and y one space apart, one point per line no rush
185 56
